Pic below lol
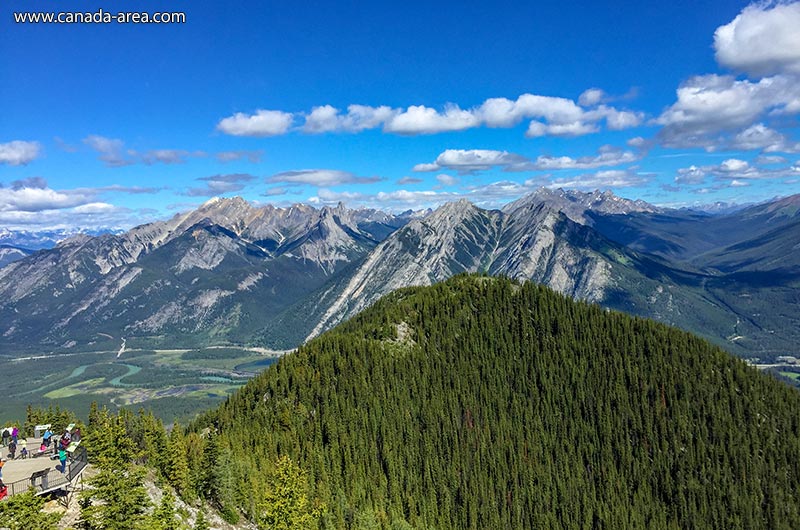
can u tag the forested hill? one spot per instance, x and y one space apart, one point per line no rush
483 403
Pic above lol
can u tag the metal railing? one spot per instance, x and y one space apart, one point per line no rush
50 479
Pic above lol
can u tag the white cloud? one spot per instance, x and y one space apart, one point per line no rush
591 97
219 184
262 123
275 191
409 180
502 112
37 199
759 136
710 107
447 180
320 177
165 156
638 142
234 156
690 175
111 150
617 120
552 115
733 169
19 152
419 119
762 40
607 156
612 178
466 161
29 182
358 118
424 168
766 160
575 128
733 165
94 208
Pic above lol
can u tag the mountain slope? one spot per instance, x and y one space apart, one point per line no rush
482 403
528 240
212 275
230 272
9 253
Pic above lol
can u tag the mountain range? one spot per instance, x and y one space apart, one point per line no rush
233 273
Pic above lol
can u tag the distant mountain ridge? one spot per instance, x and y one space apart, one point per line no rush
231 272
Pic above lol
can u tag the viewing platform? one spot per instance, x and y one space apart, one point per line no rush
42 472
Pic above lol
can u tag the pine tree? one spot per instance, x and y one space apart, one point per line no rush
24 512
200 522
163 517
285 504
118 499
177 466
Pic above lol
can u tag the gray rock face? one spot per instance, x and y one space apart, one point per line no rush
233 272
192 272
9 254
532 240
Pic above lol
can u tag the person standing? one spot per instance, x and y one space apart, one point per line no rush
62 456
66 439
47 436
12 449
14 434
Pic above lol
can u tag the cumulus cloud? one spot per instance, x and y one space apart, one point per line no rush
219 184
611 178
575 128
711 107
30 182
607 156
690 175
262 123
467 161
327 118
554 116
470 161
447 180
320 177
419 119
734 170
762 40
36 199
591 97
761 137
19 152
233 156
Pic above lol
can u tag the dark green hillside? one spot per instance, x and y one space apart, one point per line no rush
481 403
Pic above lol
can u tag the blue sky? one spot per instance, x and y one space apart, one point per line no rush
393 105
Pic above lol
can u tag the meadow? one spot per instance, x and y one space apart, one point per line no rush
175 384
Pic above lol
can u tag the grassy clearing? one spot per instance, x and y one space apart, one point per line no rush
175 383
